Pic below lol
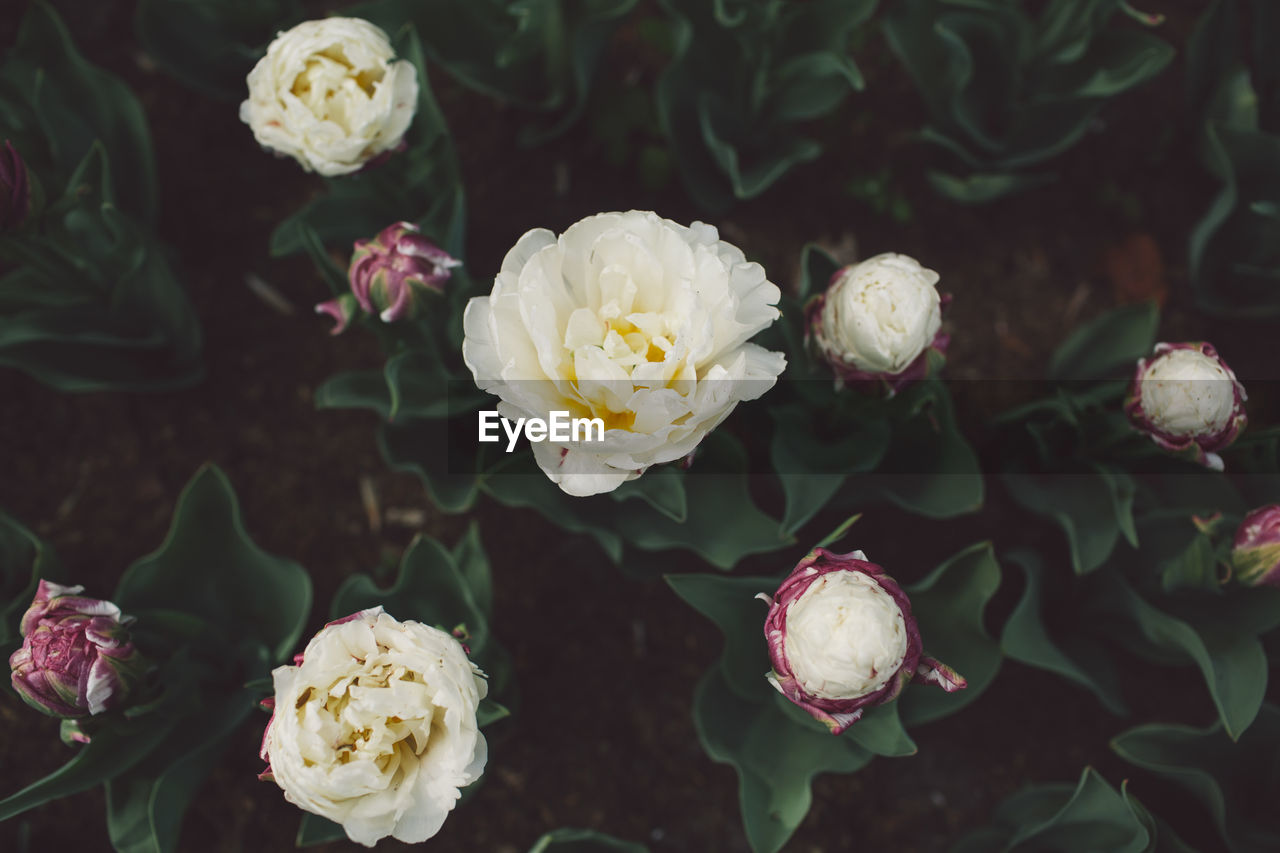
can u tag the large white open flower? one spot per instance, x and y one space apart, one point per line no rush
376 728
629 318
328 94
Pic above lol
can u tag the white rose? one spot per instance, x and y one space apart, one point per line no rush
328 95
630 318
376 729
878 316
845 636
1187 393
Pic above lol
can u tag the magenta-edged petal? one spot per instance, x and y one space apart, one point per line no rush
369 614
1188 401
848 374
845 600
341 309
1255 551
932 671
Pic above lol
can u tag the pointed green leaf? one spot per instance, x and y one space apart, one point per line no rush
776 761
210 568
1109 346
949 604
583 841
1233 780
1093 510
1078 658
1232 662
24 560
431 588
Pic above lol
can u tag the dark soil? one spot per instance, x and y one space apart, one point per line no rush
606 666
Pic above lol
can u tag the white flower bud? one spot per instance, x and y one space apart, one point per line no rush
1187 393
845 636
328 94
878 316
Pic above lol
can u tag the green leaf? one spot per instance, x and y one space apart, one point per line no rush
431 587
1010 86
949 604
984 187
96 305
738 84
418 446
208 567
934 471
1093 510
775 759
112 751
722 523
1233 780
1078 658
75 104
145 806
663 489
212 46
730 602
24 560
1109 346
583 841
1093 816
315 830
1232 662
813 466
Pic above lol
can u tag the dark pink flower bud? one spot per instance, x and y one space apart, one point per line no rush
390 273
15 193
1255 554
76 657
842 639
1188 400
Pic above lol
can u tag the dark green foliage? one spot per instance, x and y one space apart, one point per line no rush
775 747
1007 90
214 614
1091 816
744 75
88 297
1234 81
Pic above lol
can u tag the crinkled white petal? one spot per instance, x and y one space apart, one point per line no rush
629 318
881 314
376 729
845 636
329 94
1187 393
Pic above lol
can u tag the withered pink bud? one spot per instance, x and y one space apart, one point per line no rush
842 639
390 273
76 658
1187 399
1255 554
15 192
